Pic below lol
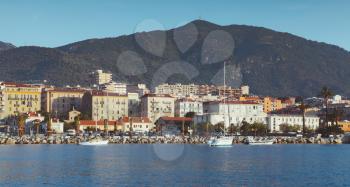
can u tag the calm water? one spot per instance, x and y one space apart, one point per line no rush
175 165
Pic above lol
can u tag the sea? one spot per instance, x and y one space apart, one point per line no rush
175 165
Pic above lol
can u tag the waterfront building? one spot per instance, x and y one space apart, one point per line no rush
274 121
174 125
101 77
31 120
344 125
155 106
100 105
87 125
231 113
59 101
72 115
271 104
138 124
57 126
18 98
186 105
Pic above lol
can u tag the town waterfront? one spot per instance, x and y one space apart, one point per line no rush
174 164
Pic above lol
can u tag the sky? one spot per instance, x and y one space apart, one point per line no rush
53 23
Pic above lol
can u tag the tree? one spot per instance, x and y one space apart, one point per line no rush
326 93
253 129
245 128
49 125
69 125
289 128
21 124
190 114
36 126
219 127
76 123
303 108
233 129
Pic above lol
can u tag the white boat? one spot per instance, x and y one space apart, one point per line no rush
221 141
252 141
94 141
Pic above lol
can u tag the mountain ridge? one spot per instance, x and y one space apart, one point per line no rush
270 62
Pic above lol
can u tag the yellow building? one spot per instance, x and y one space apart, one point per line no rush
59 101
251 98
100 105
344 125
19 98
271 104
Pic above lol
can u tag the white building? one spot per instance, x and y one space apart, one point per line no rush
231 113
57 126
139 124
140 89
275 120
155 106
178 90
102 77
183 106
114 87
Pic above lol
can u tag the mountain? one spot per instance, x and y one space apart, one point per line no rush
5 46
270 62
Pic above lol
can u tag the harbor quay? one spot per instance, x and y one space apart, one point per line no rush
56 139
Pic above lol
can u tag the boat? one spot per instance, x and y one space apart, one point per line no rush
94 141
252 141
221 141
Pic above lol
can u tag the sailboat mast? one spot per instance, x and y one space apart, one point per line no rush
224 92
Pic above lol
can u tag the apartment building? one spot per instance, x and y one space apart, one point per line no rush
274 121
231 113
272 104
185 105
59 101
155 106
100 105
18 98
101 77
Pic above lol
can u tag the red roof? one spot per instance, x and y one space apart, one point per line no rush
66 90
13 84
234 102
186 100
176 119
136 119
157 95
102 93
100 122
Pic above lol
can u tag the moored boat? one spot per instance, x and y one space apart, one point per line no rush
94 141
252 141
221 141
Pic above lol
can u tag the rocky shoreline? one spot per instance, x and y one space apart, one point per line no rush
56 139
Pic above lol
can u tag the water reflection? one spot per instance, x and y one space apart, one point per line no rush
140 165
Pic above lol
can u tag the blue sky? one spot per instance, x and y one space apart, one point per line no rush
52 23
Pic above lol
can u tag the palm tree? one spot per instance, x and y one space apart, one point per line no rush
326 93
49 125
302 108
21 124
